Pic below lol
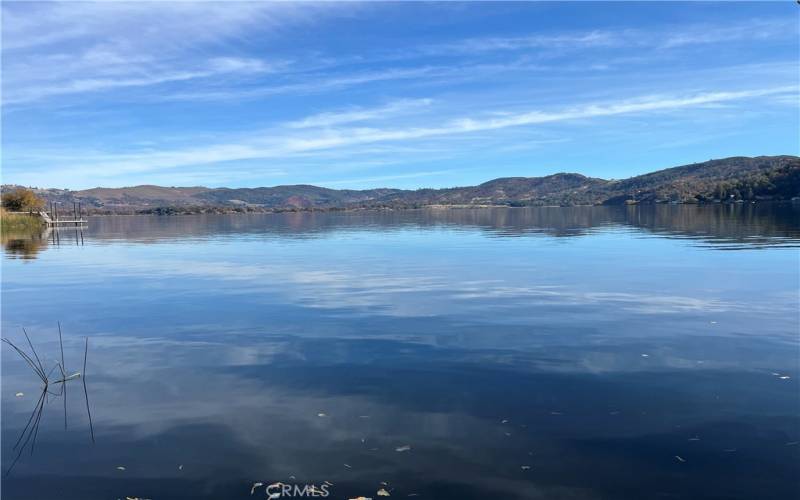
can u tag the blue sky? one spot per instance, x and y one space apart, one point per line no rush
360 95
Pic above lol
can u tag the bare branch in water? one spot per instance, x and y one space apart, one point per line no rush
41 369
85 392
63 373
30 432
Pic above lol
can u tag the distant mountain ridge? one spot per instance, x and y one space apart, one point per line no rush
728 179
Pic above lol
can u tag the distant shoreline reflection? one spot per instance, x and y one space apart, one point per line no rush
726 226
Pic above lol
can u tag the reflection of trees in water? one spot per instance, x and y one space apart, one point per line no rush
747 224
750 224
23 245
27 245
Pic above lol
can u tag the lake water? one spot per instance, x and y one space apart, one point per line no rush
554 353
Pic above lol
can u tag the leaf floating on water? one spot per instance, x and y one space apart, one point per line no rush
19 394
383 493
255 485
403 448
680 459
120 467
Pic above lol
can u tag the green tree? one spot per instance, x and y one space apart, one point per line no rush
21 199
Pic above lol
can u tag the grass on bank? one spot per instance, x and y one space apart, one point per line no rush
19 223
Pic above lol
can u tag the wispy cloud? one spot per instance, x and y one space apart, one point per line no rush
358 114
678 36
70 48
113 92
265 144
227 66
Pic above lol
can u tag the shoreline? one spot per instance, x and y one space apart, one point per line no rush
172 211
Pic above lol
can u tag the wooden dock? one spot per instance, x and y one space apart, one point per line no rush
53 218
57 222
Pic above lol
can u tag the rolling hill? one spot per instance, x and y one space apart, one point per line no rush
728 179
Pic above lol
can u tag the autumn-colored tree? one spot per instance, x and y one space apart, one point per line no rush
22 199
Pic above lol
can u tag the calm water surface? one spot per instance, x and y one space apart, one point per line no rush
586 353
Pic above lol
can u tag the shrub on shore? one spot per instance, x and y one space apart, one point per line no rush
19 223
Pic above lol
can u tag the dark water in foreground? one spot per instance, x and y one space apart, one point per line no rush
587 353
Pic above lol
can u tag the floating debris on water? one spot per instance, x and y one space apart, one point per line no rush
119 467
680 459
348 466
180 467
504 421
525 467
645 355
383 493
321 414
403 448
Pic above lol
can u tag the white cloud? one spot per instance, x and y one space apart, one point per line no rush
278 144
57 48
358 114
213 67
